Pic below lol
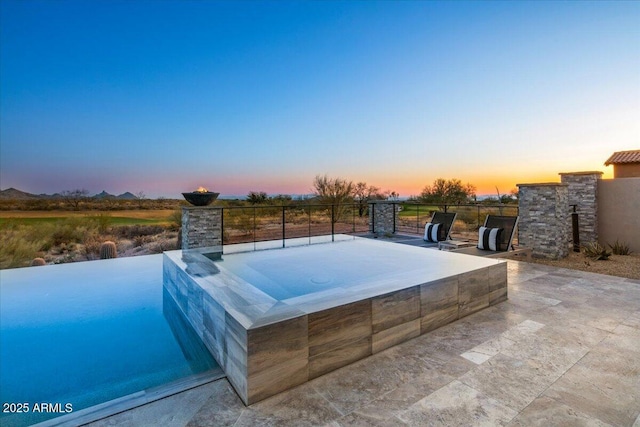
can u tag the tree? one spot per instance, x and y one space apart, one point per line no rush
363 193
447 192
333 191
74 197
257 198
515 194
140 197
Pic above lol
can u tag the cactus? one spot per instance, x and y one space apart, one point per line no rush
108 250
38 261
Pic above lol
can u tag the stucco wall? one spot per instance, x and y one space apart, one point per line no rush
626 170
619 211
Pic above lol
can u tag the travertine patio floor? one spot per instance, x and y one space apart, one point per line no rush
563 350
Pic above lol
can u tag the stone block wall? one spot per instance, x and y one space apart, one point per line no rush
201 227
544 215
382 217
583 192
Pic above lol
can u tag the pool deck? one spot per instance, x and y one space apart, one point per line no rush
563 350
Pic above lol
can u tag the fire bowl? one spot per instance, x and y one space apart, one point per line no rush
200 198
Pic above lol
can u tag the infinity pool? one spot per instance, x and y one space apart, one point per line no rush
82 334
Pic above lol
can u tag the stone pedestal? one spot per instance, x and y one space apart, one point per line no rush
382 217
544 215
201 227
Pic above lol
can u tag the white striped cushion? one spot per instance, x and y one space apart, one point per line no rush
431 232
489 238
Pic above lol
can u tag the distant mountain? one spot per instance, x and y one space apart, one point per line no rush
13 194
126 196
104 195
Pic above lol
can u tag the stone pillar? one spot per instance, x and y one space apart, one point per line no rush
544 213
201 227
583 192
382 217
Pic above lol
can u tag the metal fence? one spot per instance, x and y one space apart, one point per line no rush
261 223
411 217
265 223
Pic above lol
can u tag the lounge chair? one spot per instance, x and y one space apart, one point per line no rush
434 233
495 239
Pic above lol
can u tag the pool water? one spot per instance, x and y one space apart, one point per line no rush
289 273
86 333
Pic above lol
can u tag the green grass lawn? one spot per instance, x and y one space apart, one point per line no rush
112 220
412 210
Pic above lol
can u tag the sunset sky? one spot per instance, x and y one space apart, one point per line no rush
165 96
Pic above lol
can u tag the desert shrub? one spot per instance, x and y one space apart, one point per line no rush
175 220
15 249
102 221
596 251
91 248
73 230
620 248
132 231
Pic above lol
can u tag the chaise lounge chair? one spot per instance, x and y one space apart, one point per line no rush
495 239
439 228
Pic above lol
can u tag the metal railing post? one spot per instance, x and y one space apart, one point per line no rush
332 222
283 225
221 229
393 206
353 229
309 224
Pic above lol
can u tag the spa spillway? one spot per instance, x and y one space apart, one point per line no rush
275 319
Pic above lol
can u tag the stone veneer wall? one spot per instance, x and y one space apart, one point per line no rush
583 192
201 227
544 214
382 217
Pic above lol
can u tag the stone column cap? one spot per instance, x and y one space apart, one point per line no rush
544 184
581 173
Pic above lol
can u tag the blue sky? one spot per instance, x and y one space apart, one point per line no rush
165 96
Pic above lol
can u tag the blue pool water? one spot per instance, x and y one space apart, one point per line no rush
90 332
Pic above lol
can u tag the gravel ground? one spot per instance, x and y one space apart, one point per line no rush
617 265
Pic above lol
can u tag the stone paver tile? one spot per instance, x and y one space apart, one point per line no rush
556 351
223 408
366 420
526 301
513 382
581 333
353 386
172 411
518 271
476 357
604 384
624 337
382 411
544 412
633 320
456 404
300 406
